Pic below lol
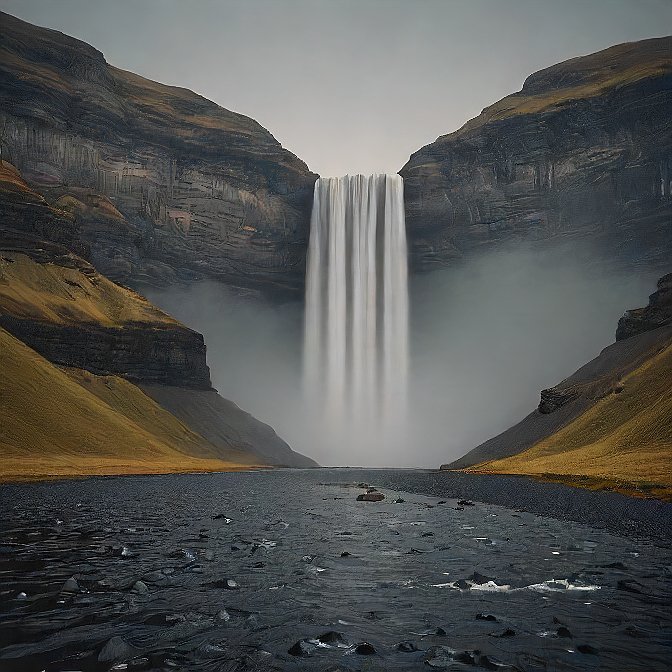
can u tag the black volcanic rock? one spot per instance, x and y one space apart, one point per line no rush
657 314
581 153
202 191
174 355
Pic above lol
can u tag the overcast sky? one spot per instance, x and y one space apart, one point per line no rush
349 85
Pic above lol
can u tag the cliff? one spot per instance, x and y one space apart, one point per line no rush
609 424
583 151
163 184
104 337
73 316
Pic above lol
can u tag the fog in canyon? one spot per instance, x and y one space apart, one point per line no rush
485 338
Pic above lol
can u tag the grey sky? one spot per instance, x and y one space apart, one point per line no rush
349 85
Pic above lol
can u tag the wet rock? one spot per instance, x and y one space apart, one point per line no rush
70 586
116 649
258 565
223 615
22 596
221 516
443 501
465 502
439 656
434 632
227 584
486 617
399 500
407 647
345 554
428 534
487 664
479 579
465 657
564 632
140 588
371 497
365 649
372 616
587 649
372 490
415 551
332 638
302 648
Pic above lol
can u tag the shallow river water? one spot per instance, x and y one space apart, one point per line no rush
286 570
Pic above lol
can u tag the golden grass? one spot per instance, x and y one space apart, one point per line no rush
168 103
70 422
594 75
622 442
62 295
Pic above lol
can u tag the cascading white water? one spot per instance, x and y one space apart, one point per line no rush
356 326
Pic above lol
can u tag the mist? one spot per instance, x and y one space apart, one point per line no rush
485 336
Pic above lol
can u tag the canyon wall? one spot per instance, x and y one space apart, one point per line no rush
196 190
582 153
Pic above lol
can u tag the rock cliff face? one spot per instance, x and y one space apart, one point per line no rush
72 316
193 190
657 314
61 307
583 151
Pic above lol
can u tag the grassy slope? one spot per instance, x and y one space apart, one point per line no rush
581 78
624 441
63 295
58 423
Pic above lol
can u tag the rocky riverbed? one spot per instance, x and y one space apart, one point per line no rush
286 570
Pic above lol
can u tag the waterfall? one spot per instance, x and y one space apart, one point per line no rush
356 323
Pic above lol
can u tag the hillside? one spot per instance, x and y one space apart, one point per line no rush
106 337
609 424
624 441
67 422
580 154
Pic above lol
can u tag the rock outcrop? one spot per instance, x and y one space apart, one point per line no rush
657 314
163 184
583 151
